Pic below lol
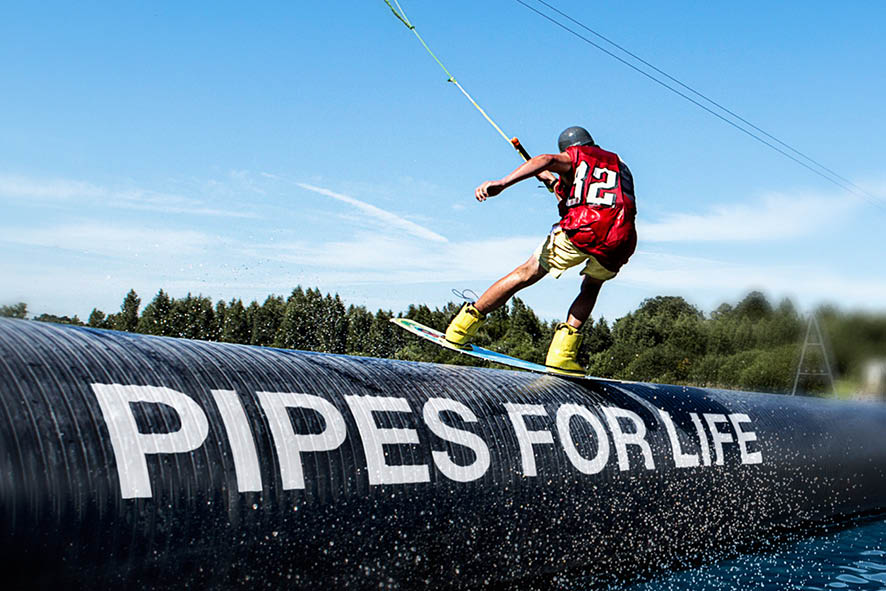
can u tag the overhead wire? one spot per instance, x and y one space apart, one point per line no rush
699 94
822 171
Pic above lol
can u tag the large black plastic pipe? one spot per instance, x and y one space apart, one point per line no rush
130 461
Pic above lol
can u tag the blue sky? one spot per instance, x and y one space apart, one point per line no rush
229 150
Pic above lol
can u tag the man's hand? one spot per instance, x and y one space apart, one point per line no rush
489 189
548 178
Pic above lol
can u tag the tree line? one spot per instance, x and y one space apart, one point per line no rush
751 345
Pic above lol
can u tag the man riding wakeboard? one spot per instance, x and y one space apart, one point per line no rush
595 195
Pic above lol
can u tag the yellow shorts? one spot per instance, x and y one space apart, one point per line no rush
557 253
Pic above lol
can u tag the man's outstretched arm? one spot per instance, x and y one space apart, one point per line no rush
558 163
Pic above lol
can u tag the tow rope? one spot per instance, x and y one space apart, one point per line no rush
401 16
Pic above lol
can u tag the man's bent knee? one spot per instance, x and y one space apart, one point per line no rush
530 271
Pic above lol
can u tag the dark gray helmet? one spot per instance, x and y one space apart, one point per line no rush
574 136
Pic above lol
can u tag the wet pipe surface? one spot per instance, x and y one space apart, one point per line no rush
165 463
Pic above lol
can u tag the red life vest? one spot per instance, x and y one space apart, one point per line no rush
598 209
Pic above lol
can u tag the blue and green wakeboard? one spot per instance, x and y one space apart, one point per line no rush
435 336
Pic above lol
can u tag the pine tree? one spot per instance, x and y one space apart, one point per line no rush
524 334
598 337
221 309
359 323
298 329
384 339
155 318
266 320
193 318
97 319
127 320
332 326
235 328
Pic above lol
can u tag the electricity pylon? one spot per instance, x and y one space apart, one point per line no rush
815 340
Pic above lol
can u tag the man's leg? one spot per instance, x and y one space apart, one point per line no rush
502 290
563 352
581 308
464 326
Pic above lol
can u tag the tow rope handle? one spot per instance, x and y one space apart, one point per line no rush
519 147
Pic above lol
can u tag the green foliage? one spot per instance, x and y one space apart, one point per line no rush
58 319
754 307
384 339
155 317
771 370
19 310
854 338
266 320
332 325
359 321
751 345
235 326
194 318
297 329
597 337
524 333
97 319
127 320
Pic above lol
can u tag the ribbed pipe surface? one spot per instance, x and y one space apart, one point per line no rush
130 460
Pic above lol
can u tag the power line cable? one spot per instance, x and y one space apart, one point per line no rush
833 177
701 95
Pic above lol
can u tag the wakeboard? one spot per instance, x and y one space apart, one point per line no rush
435 336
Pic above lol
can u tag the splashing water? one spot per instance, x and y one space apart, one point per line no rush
851 559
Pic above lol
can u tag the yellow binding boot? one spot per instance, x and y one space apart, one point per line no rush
464 326
563 352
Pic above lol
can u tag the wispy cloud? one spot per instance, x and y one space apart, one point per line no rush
21 186
114 241
134 198
382 215
395 259
175 204
771 217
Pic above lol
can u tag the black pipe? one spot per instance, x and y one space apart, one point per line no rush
131 460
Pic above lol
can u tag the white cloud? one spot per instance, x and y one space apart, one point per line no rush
382 215
374 259
60 190
398 259
20 186
393 258
175 204
107 240
664 272
774 216
378 267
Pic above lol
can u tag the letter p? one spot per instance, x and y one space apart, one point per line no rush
131 446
